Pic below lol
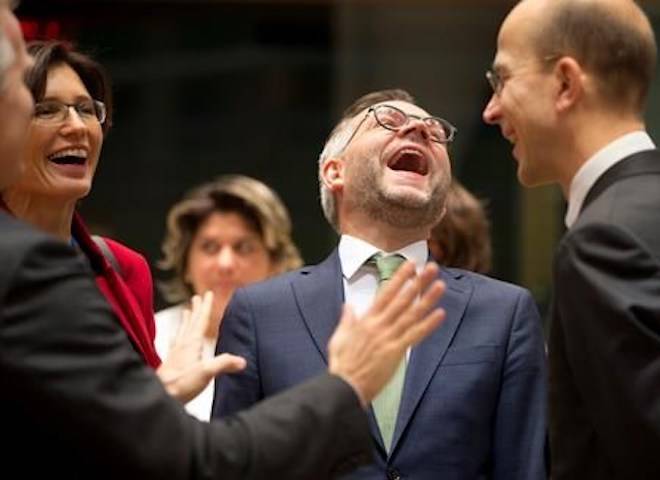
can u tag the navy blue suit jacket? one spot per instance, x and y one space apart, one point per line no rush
474 399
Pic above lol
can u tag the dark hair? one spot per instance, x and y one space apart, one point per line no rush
48 54
254 201
462 238
614 47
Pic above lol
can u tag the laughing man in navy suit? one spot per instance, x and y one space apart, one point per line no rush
471 401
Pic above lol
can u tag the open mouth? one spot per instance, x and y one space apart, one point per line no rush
71 156
409 160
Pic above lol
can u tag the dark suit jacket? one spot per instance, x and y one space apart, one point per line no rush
605 331
474 400
78 402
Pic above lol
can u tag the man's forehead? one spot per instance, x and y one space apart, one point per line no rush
401 105
514 43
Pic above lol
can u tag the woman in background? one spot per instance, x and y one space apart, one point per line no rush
462 238
223 235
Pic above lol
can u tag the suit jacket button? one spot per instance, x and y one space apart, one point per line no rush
393 474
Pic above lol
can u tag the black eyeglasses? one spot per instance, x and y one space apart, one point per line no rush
54 111
394 119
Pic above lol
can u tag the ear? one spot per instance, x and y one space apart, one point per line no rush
332 173
571 80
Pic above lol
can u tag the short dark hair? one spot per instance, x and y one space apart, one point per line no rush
612 46
48 54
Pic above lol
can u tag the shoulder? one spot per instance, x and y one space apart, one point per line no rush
134 267
276 285
486 297
628 201
23 246
127 257
482 285
37 267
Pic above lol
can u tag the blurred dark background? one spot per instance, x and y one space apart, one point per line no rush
204 88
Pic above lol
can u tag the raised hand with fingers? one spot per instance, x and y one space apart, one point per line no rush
366 351
186 372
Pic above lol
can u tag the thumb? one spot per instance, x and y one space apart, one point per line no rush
225 363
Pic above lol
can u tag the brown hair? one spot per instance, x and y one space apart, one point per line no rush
48 54
618 48
253 200
462 238
336 141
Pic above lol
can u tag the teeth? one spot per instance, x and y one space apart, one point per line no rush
70 152
409 151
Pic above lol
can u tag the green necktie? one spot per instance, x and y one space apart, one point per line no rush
386 403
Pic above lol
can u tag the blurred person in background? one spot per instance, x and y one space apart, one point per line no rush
462 238
221 236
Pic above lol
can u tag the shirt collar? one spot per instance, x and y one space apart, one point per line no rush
353 252
598 164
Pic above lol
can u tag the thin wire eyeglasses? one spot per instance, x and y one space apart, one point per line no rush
394 119
497 80
54 111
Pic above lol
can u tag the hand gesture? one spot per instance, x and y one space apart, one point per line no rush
187 370
366 351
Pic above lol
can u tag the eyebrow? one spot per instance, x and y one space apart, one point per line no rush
77 98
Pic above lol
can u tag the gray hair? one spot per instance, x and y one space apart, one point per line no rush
338 141
334 146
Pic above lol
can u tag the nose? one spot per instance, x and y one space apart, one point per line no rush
491 113
73 123
418 125
226 259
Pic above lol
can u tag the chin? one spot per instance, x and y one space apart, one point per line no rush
408 195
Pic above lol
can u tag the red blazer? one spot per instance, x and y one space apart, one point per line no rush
130 294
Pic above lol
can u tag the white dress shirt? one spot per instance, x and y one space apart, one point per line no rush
168 322
598 164
360 280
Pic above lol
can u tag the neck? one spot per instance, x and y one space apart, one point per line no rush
596 133
382 235
45 213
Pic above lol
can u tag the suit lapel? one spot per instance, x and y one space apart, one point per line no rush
319 294
427 356
637 164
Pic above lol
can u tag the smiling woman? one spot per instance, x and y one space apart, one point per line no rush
73 110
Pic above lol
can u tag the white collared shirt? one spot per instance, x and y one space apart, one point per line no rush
598 164
361 281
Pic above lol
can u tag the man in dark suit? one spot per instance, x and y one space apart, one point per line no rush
469 401
570 82
78 402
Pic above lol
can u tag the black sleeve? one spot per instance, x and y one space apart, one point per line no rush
75 389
